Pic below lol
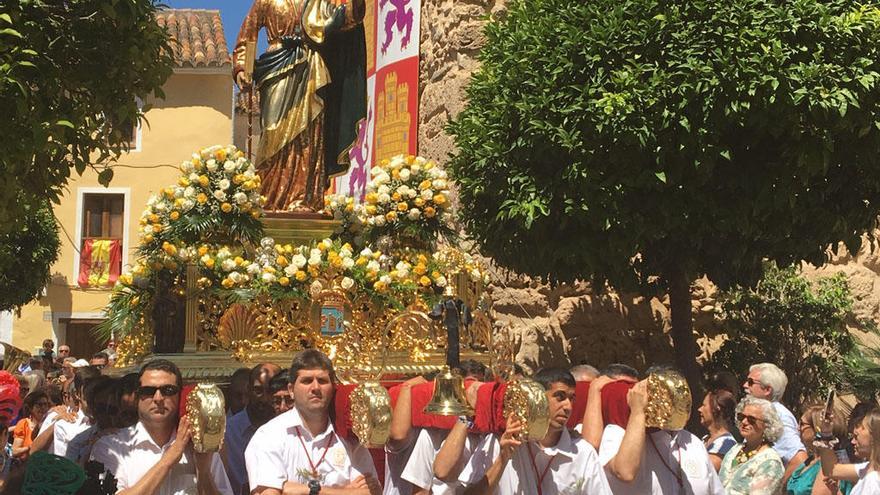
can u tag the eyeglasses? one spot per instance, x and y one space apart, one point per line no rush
752 381
285 399
148 391
740 417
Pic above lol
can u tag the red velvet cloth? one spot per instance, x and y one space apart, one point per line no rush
10 400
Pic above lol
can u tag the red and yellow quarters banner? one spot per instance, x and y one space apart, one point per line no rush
100 262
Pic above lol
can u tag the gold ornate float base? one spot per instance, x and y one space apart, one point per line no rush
298 228
218 366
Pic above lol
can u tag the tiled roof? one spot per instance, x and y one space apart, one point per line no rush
198 34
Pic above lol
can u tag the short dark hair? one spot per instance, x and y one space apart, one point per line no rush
474 368
96 383
101 355
548 376
723 404
279 382
31 400
129 383
54 393
161 365
311 359
620 369
82 375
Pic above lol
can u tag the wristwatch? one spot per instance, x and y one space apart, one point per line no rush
314 487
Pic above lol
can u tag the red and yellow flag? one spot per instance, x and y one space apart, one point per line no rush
100 262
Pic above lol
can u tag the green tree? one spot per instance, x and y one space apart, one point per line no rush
645 142
801 327
27 251
69 71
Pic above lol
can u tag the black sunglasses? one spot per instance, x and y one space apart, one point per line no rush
752 381
751 419
146 392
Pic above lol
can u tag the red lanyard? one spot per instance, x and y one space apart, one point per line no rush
543 474
309 457
677 474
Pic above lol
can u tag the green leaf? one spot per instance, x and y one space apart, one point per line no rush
105 176
66 123
661 176
10 32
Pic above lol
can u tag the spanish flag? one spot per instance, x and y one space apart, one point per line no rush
100 262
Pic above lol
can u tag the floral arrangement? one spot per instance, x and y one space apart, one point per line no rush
407 196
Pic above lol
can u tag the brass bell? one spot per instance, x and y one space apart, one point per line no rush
449 396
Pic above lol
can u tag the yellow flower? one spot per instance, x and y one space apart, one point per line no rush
209 263
300 275
226 207
203 180
284 281
154 218
134 301
196 162
169 193
157 228
361 261
423 259
349 208
391 216
269 269
148 238
202 198
203 250
248 185
430 212
239 261
439 199
371 210
425 281
379 285
410 159
183 181
239 154
395 174
395 196
435 274
425 184
402 206
420 269
220 155
281 261
384 162
169 248
238 179
178 202
227 283
255 214
174 215
428 166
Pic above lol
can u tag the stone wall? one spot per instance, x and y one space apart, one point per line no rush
574 323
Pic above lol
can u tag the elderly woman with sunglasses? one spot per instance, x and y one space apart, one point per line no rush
753 467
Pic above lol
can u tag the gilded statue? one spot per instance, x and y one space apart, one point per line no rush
311 82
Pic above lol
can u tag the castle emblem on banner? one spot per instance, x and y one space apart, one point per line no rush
392 118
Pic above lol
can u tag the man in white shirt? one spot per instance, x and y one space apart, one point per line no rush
643 461
401 440
560 463
155 456
767 381
299 452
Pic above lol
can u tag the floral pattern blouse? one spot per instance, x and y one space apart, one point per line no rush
760 475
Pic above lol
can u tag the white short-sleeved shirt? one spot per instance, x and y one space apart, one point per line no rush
131 452
572 468
419 469
395 462
47 423
789 444
275 455
72 439
666 456
869 481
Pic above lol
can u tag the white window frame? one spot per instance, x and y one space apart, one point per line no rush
126 219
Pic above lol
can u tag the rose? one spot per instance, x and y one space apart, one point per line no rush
347 263
347 283
224 184
228 265
240 197
315 288
211 165
427 194
220 195
298 261
414 214
229 167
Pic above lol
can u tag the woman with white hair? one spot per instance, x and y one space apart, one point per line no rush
753 467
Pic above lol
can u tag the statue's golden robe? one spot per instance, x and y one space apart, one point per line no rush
312 88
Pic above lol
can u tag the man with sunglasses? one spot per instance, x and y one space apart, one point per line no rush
767 381
155 455
242 425
299 451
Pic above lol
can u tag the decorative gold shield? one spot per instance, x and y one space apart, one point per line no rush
206 411
669 401
526 401
371 413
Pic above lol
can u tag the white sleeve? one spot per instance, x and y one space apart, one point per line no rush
263 461
218 473
612 437
596 483
107 452
419 469
362 462
481 460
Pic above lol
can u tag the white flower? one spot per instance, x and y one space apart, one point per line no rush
414 214
268 277
186 167
298 261
427 194
327 243
373 266
415 167
253 268
193 177
411 193
441 281
366 253
224 253
249 173
385 279
290 270
189 192
211 165
439 183
188 204
404 174
229 166
314 261
178 192
347 263
235 277
475 274
379 220
224 184
436 173
152 200
347 283
205 258
228 265
240 197
384 198
376 171
220 195
315 253
161 206
383 189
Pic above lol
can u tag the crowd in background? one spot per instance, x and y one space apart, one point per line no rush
126 435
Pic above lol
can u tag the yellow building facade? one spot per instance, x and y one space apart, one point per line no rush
196 112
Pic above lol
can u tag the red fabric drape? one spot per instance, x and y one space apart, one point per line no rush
97 269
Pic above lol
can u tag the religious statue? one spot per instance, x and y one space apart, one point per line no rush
312 87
